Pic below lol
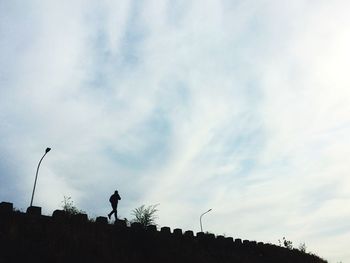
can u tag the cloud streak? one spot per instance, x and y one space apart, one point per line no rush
237 106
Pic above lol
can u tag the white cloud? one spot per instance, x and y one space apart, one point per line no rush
241 107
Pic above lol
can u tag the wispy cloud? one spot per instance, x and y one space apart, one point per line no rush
238 106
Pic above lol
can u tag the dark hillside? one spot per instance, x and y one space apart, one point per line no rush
31 237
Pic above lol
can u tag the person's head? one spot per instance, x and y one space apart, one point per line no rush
116 191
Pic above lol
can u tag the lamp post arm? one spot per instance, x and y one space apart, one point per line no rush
36 177
200 218
200 221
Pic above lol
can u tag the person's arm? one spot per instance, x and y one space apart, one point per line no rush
119 197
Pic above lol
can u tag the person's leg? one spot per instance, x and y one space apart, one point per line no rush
110 214
115 212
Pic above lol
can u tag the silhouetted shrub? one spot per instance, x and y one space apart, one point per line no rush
145 215
286 243
302 247
69 207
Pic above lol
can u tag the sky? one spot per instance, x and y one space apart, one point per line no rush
241 106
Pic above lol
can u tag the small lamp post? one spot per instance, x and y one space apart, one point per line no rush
200 218
36 175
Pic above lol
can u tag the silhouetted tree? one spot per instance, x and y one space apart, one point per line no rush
145 215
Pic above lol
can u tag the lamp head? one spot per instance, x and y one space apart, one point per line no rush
47 150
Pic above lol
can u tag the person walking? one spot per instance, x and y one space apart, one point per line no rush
114 203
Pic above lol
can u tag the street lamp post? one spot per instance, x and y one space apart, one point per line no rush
200 218
36 175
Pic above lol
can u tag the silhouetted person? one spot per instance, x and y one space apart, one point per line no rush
114 203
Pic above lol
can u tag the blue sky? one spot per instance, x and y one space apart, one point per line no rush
238 106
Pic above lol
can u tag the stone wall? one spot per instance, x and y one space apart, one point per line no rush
32 237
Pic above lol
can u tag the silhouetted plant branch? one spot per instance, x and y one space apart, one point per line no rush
69 207
302 247
289 245
286 243
145 215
